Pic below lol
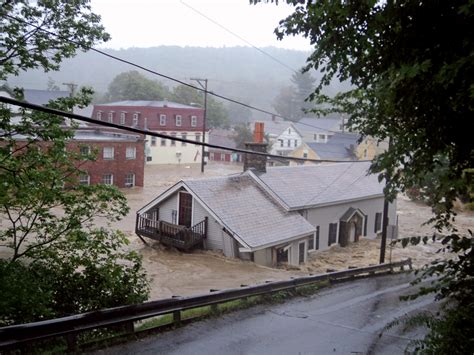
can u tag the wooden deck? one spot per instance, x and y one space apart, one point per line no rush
180 237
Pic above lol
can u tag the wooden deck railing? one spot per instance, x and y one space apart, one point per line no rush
180 237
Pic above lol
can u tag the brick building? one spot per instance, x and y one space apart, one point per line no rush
120 157
169 118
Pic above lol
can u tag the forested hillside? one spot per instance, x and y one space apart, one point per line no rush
242 73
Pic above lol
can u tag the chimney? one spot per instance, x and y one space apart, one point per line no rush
252 161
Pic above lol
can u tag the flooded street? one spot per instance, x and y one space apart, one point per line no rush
176 273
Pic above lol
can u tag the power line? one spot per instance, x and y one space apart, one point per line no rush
166 76
73 116
239 37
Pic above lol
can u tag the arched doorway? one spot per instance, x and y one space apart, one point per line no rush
350 226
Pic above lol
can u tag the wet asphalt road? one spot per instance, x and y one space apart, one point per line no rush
344 319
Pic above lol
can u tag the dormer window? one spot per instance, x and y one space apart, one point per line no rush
178 120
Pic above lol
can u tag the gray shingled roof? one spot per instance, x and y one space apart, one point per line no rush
141 103
339 146
319 125
304 186
222 137
42 97
247 211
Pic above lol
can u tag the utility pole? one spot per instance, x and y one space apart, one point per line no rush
72 88
203 84
383 243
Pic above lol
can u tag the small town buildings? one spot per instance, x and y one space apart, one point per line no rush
283 136
166 117
339 146
319 130
269 216
223 138
119 157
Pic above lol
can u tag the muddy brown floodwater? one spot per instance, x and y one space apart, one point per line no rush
175 273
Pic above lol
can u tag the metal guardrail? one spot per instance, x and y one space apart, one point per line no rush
18 335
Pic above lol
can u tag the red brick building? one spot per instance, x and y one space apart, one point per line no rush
165 117
120 157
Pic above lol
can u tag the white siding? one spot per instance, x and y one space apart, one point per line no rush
293 254
214 229
166 208
331 214
231 247
263 257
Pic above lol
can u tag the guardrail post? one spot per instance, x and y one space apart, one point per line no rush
177 318
71 342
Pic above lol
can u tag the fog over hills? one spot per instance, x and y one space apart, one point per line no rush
242 73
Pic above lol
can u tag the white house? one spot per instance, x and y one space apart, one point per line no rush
284 137
271 217
319 130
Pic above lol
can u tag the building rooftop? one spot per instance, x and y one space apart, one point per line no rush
146 103
339 146
325 124
299 187
246 210
98 135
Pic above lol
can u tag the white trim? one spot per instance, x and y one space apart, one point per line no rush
305 251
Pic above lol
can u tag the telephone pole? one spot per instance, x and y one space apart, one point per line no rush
72 87
383 243
203 84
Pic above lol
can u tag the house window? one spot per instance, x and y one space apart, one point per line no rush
108 179
162 120
149 158
173 142
122 118
289 143
281 142
317 237
178 120
84 179
222 156
198 137
108 153
193 121
135 119
184 136
378 222
322 138
311 243
365 153
332 235
85 150
296 143
174 216
305 153
153 141
130 180
99 115
163 140
110 117
145 123
131 153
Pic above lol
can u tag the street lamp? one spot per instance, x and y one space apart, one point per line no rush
203 84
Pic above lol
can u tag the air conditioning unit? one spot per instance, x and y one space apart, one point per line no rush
128 184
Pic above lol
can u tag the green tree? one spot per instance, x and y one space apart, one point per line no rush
216 113
410 64
132 85
29 30
58 262
292 102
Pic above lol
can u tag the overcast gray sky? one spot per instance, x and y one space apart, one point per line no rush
148 23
